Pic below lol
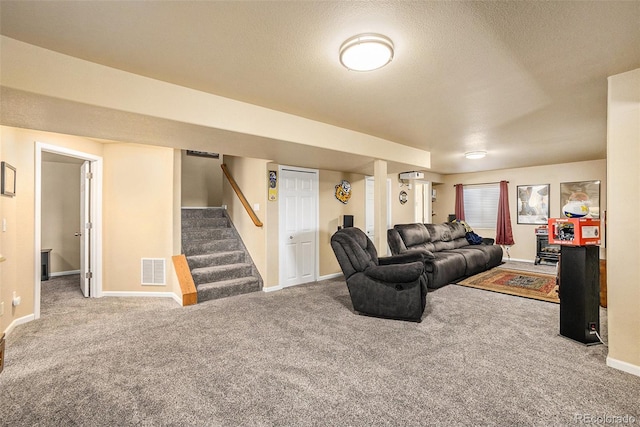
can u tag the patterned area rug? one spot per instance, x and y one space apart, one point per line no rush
514 282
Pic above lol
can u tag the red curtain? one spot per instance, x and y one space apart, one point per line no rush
504 234
459 202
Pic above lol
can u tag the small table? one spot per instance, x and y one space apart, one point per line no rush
45 258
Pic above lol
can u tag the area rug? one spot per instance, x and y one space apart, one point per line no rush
514 282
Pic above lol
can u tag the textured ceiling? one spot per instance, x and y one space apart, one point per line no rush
526 81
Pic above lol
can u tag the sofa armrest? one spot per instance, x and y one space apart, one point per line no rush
395 273
403 258
488 241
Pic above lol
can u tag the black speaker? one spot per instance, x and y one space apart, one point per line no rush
347 221
579 290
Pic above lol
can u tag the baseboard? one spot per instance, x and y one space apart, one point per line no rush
280 287
329 276
64 273
517 259
19 321
172 295
623 366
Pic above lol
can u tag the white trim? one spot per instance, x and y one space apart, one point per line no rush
329 276
96 209
18 321
623 366
177 298
517 259
64 273
272 288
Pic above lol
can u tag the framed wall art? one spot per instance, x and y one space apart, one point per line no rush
8 184
533 204
580 199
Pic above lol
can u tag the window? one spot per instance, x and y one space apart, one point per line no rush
481 205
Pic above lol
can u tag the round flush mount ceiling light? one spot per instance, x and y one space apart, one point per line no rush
473 155
366 52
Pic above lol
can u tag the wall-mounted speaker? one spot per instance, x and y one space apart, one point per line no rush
347 221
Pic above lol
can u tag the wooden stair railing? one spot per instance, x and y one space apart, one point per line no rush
187 286
243 199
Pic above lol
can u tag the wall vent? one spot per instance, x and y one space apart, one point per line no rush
153 271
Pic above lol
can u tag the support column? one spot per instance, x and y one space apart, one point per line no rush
380 206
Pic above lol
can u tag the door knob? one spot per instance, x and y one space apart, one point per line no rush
290 237
77 234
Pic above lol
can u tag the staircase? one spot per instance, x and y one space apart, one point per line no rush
219 262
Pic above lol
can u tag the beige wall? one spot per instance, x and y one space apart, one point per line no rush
523 234
251 177
61 215
18 242
201 181
331 211
623 251
138 214
140 205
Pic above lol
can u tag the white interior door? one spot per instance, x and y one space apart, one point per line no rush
85 228
298 205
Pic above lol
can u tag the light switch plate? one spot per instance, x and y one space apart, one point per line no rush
4 224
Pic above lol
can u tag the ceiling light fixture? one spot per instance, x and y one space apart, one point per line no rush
473 155
366 52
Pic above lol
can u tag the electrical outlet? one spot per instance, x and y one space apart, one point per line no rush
1 308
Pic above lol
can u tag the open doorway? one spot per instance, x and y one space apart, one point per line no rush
68 220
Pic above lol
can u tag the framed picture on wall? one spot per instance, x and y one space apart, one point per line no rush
8 178
581 198
533 204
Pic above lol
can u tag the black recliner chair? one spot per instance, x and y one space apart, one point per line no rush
392 287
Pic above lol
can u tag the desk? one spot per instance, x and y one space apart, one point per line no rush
45 258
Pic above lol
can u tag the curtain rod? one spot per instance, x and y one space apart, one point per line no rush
483 183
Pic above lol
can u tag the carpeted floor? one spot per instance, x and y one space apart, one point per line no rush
301 357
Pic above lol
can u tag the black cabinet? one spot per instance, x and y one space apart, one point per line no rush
579 291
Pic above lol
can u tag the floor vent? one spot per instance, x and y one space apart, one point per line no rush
153 271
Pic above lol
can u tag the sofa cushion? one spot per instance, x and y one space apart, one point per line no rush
444 246
460 242
445 267
457 230
475 261
413 234
439 232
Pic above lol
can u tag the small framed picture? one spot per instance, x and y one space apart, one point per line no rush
8 183
533 204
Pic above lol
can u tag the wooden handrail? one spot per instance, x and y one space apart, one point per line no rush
243 199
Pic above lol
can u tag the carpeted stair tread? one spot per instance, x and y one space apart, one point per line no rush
207 234
227 288
217 258
200 247
202 213
220 272
191 223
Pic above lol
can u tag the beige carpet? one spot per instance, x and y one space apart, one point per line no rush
516 282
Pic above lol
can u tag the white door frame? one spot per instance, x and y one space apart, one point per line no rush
281 241
96 218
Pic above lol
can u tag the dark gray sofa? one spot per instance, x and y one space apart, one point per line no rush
447 253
